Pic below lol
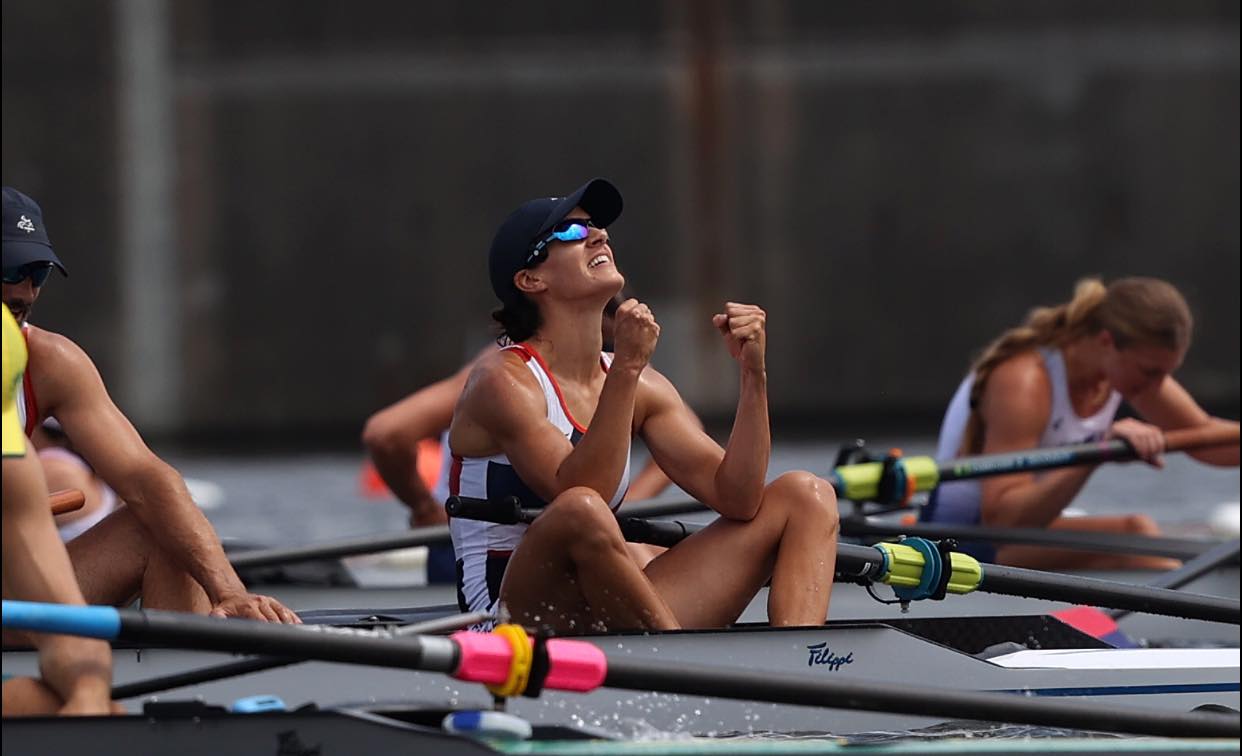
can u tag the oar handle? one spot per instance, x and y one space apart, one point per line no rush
1202 437
864 481
68 500
505 511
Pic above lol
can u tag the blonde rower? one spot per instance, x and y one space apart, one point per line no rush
1059 378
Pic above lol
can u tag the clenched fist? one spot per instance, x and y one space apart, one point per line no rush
744 328
635 333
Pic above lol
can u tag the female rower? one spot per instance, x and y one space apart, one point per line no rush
1059 378
549 418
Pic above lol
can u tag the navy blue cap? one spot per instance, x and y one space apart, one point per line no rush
25 239
527 225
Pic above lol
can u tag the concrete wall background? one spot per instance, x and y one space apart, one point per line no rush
894 183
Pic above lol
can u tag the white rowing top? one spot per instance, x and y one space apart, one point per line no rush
960 501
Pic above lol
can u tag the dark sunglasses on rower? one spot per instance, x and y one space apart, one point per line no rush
36 272
571 229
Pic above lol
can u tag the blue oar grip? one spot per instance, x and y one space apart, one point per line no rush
90 621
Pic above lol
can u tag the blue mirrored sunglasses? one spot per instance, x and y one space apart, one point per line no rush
37 272
568 230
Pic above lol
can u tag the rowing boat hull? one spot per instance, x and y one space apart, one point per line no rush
936 652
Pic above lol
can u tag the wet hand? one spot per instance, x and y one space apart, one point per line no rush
1147 440
744 328
635 334
255 607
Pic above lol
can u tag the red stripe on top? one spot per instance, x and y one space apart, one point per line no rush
555 386
522 351
32 403
455 476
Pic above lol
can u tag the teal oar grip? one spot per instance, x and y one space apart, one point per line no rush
90 621
913 567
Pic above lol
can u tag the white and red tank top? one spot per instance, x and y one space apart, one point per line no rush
482 548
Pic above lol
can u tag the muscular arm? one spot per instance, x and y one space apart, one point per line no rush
72 391
677 441
651 481
731 482
1169 406
36 568
1016 405
392 435
728 480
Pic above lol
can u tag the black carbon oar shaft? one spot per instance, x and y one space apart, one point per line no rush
1074 589
173 629
1114 450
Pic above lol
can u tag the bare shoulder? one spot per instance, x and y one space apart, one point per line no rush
655 393
501 397
55 349
57 362
1019 375
653 380
1018 396
499 376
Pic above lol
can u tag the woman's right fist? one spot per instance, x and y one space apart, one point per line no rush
635 334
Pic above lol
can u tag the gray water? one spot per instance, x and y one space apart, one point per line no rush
304 498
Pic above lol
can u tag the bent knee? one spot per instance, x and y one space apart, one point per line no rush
582 513
800 485
580 504
805 494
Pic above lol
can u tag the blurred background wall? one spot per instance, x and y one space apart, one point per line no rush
276 214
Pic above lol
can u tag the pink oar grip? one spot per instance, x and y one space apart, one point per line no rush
572 665
485 657
575 665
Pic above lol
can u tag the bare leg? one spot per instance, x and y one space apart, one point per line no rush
572 572
709 578
28 697
117 560
1043 558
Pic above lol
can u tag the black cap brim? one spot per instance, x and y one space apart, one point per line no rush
18 253
598 197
